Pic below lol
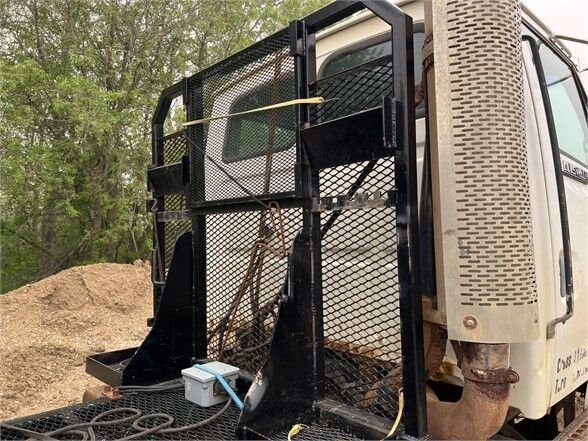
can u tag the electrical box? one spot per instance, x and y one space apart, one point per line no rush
201 387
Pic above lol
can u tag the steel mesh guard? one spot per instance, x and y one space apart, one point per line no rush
361 293
353 90
240 162
240 331
360 280
258 149
174 148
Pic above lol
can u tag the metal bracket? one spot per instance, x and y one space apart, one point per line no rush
173 216
360 201
492 376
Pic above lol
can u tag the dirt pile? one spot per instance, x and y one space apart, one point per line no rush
47 329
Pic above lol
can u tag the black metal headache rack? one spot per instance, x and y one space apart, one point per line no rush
286 243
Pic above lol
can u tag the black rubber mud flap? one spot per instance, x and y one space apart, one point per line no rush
283 390
168 348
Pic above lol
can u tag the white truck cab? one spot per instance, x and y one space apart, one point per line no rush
552 364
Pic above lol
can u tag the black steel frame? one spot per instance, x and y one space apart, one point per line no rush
294 391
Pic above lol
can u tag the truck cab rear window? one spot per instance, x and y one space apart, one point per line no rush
256 134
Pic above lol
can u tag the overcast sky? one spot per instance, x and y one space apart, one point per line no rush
566 17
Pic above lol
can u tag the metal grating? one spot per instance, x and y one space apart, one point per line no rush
171 402
361 294
255 154
240 331
353 90
174 148
257 149
577 430
360 281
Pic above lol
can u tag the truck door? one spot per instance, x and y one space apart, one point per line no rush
562 121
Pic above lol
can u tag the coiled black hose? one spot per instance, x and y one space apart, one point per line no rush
136 417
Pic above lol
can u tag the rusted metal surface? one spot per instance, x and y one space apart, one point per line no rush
376 396
92 393
496 376
96 392
435 342
448 372
483 406
356 349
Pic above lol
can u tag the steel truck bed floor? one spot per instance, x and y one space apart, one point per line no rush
576 431
170 402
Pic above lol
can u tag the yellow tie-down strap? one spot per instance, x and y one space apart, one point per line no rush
317 100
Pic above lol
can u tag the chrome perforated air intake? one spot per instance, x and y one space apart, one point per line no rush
486 264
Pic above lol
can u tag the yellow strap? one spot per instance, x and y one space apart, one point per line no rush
317 100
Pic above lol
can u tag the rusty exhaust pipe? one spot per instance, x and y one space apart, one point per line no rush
483 406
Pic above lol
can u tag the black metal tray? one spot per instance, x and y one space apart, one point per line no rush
108 366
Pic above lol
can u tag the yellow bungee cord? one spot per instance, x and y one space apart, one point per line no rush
399 415
295 430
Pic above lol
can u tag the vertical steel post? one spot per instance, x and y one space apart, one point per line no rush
413 366
195 134
303 48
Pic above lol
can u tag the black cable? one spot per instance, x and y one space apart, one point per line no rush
137 418
94 422
155 388
30 433
145 431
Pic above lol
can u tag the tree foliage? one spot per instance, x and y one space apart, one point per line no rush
79 80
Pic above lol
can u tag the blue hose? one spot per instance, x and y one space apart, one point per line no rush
224 384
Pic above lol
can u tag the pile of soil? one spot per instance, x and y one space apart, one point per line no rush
49 327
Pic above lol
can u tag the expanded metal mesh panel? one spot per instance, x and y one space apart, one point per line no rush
174 148
361 292
490 273
258 149
353 90
360 281
244 281
172 403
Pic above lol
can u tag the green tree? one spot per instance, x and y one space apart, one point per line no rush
79 80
